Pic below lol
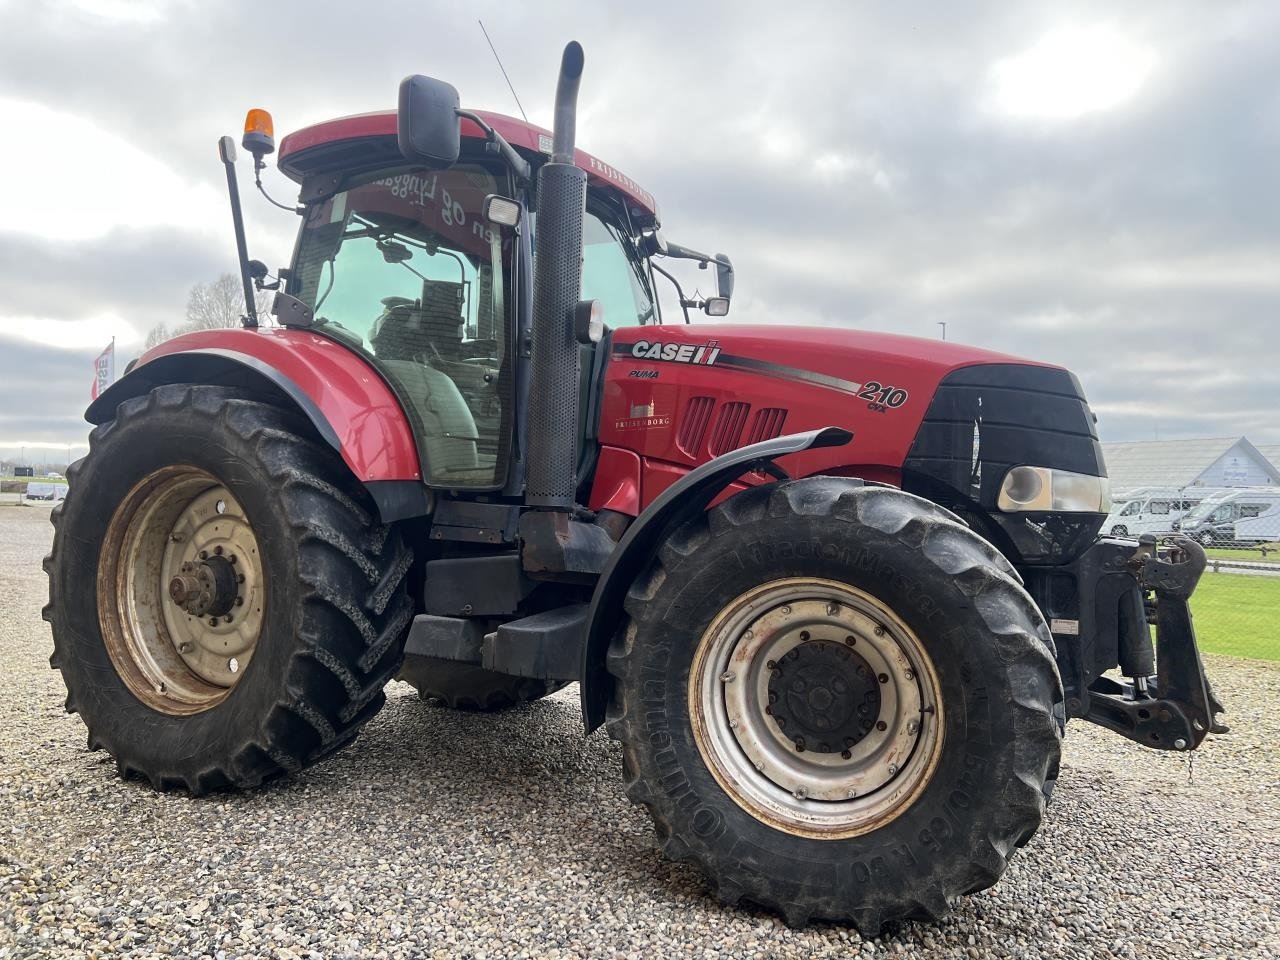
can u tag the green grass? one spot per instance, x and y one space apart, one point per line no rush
36 479
1238 615
1246 554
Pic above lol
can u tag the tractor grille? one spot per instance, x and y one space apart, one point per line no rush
728 431
767 424
693 425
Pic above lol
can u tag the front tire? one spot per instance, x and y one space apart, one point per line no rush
915 754
225 605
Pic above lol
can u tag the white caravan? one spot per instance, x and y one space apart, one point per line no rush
1153 509
1244 515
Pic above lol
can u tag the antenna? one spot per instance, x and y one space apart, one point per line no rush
503 69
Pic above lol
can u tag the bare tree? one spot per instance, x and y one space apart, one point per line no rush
156 336
210 306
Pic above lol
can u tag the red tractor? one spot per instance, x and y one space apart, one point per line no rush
835 592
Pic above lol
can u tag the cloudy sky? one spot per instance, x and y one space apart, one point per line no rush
1093 184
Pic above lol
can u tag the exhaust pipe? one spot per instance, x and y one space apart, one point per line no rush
557 287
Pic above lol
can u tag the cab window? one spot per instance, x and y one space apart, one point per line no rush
611 273
1131 508
402 268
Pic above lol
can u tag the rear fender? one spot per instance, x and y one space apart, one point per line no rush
684 499
351 407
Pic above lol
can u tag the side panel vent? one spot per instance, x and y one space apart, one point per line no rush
767 424
728 431
693 425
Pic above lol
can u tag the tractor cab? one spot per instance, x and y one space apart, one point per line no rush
413 268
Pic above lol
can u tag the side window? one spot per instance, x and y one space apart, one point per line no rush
612 275
1160 508
1251 510
1223 513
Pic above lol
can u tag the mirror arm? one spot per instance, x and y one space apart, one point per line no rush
519 165
685 302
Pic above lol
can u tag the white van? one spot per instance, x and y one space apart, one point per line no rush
37 490
1153 510
1245 515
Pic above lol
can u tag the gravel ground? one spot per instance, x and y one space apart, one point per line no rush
441 834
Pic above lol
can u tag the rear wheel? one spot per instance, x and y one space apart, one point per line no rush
1119 530
838 701
225 606
464 686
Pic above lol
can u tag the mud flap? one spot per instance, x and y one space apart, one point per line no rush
1175 709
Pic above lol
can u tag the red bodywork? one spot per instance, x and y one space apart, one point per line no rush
374 436
660 417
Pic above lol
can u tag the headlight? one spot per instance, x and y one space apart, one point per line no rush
1046 489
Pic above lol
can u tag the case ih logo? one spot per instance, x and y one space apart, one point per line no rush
677 352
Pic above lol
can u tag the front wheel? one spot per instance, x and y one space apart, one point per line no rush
225 605
838 701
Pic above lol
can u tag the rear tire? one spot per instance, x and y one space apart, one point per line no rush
920 835
464 686
333 607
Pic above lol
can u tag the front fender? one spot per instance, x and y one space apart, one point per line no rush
351 407
684 499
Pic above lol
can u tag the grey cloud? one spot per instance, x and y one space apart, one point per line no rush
699 103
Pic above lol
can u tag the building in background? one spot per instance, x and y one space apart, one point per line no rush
1213 462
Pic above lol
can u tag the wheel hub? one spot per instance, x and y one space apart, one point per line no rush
207 588
823 696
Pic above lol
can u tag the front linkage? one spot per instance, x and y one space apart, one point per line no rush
1174 708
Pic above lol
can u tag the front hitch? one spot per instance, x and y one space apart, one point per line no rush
1174 709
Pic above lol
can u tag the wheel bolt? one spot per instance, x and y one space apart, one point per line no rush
893 769
239 601
726 677
227 618
910 674
213 621
218 550
772 665
204 554
845 754
833 609
239 578
733 724
800 744
912 727
881 725
233 665
804 635
879 631
883 678
800 793
786 610
849 641
231 558
185 647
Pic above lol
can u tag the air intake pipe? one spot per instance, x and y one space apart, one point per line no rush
557 286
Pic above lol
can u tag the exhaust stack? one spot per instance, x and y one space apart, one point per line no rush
557 286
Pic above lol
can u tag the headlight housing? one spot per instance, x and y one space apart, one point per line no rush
1058 491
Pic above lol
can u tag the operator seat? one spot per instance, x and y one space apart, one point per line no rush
402 341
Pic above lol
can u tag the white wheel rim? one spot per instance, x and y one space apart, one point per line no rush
835 660
182 591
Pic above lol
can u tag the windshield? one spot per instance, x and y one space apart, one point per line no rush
404 269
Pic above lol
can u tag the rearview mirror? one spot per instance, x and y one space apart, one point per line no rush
724 277
427 125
